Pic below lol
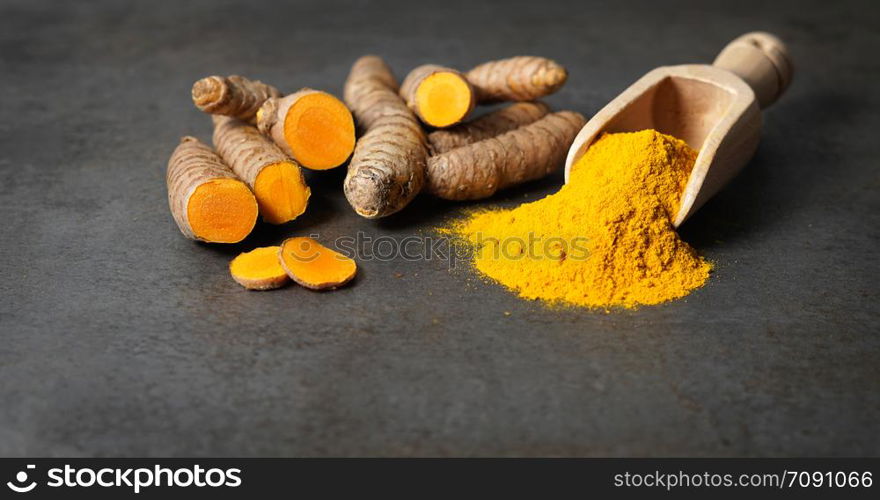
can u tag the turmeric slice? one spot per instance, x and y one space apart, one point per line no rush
313 127
277 181
521 78
234 96
486 126
527 153
387 169
259 269
439 96
315 266
207 201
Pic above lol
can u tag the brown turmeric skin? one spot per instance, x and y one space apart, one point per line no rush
207 200
315 266
313 127
522 78
387 169
439 96
276 180
486 126
234 96
527 153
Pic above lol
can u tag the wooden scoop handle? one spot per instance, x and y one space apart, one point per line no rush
761 60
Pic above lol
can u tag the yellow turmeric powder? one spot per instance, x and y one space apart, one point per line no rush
606 238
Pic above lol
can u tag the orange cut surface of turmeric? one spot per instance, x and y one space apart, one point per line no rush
281 192
222 211
277 181
259 269
315 266
444 99
319 131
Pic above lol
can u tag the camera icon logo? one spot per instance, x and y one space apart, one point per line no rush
21 478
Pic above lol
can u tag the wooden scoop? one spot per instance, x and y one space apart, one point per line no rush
715 109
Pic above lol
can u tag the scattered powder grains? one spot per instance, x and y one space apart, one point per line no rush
606 238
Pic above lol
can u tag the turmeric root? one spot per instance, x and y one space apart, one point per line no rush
259 269
522 78
315 266
387 169
207 201
527 153
276 180
313 127
439 96
234 96
486 126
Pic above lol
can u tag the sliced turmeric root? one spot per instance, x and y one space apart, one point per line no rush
315 266
207 201
259 269
281 192
313 127
439 96
276 180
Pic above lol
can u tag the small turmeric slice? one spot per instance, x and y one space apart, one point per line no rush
521 78
207 201
277 181
315 266
313 127
259 269
439 96
234 96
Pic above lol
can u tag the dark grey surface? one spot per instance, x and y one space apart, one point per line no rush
120 337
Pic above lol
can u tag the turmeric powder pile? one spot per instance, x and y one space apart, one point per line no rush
606 238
